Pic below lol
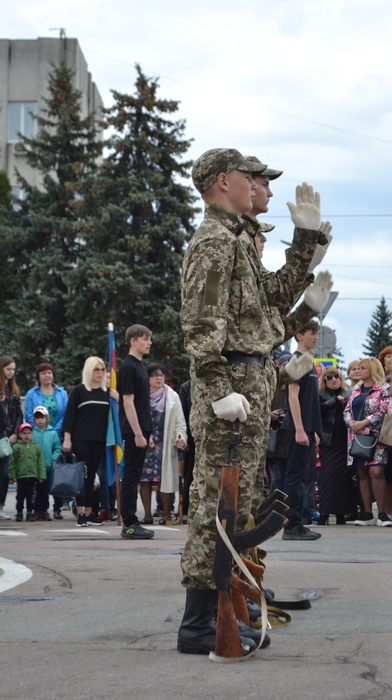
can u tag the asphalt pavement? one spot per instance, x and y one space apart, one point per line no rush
85 614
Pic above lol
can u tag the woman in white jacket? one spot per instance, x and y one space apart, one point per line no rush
169 435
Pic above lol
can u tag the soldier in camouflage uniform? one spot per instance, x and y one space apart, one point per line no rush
316 296
229 331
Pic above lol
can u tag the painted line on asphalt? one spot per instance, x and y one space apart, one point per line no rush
13 574
12 533
80 530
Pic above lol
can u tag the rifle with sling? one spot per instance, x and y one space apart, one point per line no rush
228 643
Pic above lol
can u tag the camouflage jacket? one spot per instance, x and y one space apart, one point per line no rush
295 271
225 305
297 319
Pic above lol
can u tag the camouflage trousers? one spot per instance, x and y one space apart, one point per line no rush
211 435
258 491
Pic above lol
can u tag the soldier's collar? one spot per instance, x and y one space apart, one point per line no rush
254 226
234 222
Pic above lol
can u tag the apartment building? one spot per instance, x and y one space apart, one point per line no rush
24 67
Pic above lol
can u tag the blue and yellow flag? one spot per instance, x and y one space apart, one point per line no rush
113 435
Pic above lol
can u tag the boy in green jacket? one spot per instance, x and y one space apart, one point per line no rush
26 467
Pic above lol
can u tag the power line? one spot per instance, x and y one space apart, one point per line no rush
331 216
268 109
361 279
328 126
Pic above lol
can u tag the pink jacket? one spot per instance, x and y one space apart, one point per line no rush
376 405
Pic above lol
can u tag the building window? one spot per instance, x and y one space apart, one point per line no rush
19 194
20 118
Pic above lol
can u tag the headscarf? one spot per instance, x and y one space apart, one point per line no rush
158 399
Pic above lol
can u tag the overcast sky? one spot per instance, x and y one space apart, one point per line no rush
305 86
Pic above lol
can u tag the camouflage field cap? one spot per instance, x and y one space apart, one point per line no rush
265 228
218 160
260 169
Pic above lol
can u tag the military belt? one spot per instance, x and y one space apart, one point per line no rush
249 359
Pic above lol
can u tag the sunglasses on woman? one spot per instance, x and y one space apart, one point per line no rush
332 376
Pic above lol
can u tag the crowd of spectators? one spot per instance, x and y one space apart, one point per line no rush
75 421
346 486
56 421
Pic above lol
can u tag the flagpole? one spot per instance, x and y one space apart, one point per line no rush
118 490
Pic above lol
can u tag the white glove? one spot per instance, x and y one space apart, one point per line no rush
320 251
298 366
305 213
232 407
317 294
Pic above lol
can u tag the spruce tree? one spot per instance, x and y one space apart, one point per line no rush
129 270
44 245
379 333
5 191
8 283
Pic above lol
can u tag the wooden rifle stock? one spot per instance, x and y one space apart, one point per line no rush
228 641
232 590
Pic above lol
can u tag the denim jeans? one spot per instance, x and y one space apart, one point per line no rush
103 484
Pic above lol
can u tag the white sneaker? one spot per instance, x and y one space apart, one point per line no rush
384 520
4 516
365 519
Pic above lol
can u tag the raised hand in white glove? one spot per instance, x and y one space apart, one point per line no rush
320 251
298 366
317 294
232 407
305 213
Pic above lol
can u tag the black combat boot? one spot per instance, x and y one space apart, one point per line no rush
197 631
251 632
254 634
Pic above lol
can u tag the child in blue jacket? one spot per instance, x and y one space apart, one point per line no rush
45 436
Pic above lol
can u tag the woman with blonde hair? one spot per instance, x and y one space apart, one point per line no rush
85 425
363 415
354 373
337 491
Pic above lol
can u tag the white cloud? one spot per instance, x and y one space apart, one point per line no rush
255 77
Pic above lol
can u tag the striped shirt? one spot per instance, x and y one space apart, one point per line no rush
86 415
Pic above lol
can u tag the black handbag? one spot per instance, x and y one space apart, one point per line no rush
272 444
67 477
363 447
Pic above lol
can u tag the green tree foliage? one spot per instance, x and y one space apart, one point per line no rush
98 241
5 191
129 270
379 333
8 285
44 247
